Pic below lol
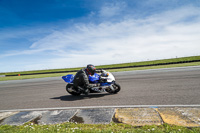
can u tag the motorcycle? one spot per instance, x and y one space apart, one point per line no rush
104 82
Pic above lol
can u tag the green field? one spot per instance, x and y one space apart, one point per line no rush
133 66
98 128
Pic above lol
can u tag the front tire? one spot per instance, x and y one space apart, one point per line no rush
117 88
70 86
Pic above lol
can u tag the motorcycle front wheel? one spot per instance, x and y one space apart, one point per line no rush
116 87
69 88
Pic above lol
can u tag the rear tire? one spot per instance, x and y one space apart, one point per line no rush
72 93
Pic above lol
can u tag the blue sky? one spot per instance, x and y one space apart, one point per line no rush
48 34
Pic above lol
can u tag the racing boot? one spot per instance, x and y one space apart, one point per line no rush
80 89
86 92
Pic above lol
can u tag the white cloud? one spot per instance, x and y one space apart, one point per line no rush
165 35
112 9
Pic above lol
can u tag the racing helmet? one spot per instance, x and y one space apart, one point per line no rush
90 69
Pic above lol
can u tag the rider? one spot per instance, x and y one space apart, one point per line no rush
81 82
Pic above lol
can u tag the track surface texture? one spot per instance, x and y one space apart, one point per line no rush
173 86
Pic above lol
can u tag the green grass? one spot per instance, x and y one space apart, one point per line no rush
98 128
103 67
41 71
152 62
156 67
33 76
111 66
111 70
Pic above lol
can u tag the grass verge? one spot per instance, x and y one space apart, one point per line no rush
33 76
111 70
156 67
135 64
61 72
99 128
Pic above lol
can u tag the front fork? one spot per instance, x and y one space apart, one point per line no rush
111 87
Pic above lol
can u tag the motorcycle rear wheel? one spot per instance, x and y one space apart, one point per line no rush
72 93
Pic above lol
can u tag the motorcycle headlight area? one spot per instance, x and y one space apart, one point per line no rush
105 74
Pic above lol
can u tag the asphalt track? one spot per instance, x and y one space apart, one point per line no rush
173 86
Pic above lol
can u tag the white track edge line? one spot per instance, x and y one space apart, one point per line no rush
87 107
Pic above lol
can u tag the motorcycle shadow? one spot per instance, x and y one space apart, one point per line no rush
81 97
